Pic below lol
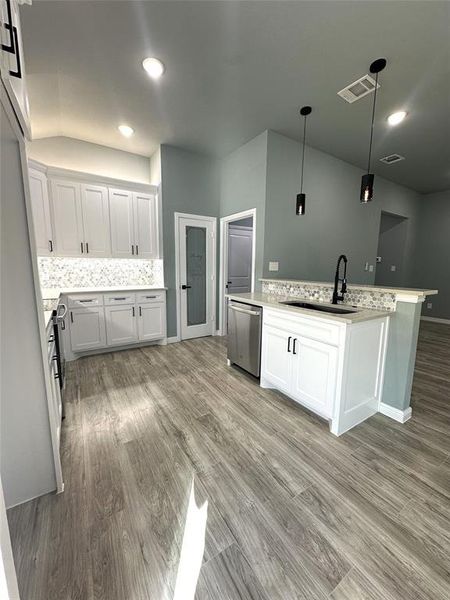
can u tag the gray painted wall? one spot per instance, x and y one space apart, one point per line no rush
27 467
432 253
190 184
391 250
243 186
335 222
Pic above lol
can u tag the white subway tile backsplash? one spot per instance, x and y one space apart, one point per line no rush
62 272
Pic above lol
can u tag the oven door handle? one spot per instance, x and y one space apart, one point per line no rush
243 310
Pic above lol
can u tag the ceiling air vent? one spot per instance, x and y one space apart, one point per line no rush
392 158
358 89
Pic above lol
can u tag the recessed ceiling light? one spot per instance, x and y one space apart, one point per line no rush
126 130
396 117
153 66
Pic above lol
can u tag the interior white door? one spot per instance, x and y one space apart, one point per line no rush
145 225
314 374
40 204
66 205
240 243
196 243
121 325
94 203
276 364
122 223
152 321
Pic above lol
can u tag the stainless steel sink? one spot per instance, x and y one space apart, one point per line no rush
337 310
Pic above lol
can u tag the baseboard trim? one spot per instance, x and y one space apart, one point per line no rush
436 320
395 413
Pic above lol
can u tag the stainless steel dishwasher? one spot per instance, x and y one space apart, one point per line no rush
244 336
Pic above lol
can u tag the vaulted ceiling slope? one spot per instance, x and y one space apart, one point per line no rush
234 69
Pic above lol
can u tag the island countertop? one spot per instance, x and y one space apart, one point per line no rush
273 301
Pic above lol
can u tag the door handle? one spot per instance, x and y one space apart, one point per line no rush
293 346
289 343
186 287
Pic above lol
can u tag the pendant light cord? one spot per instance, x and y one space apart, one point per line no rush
373 119
303 154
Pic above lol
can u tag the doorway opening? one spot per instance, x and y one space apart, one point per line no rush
391 250
237 258
195 250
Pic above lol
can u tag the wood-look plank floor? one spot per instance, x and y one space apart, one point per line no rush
292 512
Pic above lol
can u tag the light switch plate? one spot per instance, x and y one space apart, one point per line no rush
429 305
273 265
370 268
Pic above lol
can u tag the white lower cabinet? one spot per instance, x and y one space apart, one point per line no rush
152 321
335 369
116 319
120 325
87 328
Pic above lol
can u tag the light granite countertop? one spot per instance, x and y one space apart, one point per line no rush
55 293
272 301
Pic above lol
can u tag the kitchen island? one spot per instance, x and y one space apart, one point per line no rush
344 367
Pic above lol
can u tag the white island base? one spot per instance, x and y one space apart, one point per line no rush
333 367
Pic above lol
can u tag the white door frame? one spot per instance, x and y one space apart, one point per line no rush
223 267
212 271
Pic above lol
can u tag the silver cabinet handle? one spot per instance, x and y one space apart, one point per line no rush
243 310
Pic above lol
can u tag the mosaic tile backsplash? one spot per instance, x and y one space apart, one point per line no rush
61 272
355 296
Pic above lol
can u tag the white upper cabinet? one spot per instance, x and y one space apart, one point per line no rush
66 205
122 223
95 211
145 225
40 205
93 220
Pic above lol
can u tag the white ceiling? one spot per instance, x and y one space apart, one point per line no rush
237 68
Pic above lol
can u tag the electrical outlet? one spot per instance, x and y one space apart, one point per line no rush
429 305
273 265
393 268
370 268
366 266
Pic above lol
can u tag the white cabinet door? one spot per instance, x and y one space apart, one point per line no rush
95 209
276 358
40 205
87 328
66 205
152 321
121 325
314 371
145 225
122 225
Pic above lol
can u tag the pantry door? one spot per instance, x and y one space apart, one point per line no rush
196 275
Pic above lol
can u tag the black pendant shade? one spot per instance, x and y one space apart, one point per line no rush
366 194
300 205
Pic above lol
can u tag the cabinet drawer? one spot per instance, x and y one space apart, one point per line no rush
316 329
119 298
144 297
85 300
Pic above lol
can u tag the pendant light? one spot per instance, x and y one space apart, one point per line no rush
301 198
366 194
